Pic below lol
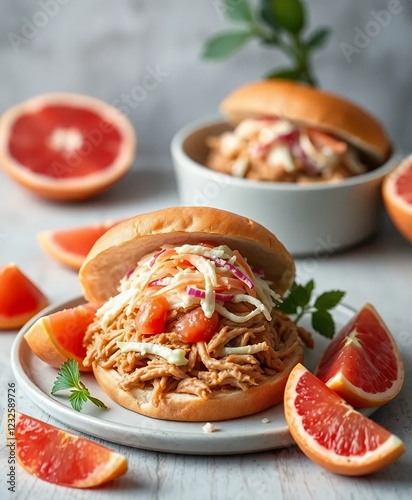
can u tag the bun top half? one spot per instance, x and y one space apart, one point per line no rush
309 106
122 246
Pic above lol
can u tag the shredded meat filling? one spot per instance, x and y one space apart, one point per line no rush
208 369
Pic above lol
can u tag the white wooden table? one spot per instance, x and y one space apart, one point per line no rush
379 272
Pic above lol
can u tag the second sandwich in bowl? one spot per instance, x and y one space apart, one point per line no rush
188 327
305 163
288 132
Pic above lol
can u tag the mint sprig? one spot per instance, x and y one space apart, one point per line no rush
298 302
69 378
280 24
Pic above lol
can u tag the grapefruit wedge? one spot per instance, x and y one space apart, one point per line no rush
332 433
66 146
397 195
70 246
20 298
62 458
59 336
363 363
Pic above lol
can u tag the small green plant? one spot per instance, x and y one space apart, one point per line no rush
277 23
69 378
298 302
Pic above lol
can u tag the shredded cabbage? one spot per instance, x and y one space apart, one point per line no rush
173 356
246 349
164 273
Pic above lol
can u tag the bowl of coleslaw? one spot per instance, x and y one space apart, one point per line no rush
308 217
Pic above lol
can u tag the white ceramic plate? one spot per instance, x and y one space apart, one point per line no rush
119 425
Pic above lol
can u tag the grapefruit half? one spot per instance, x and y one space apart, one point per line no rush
20 298
397 195
59 336
66 146
62 458
363 363
332 433
70 246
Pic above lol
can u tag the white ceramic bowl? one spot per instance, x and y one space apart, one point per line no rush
307 219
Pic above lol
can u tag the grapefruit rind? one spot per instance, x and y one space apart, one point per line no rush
371 461
47 242
44 345
69 259
389 184
68 189
116 466
22 319
356 396
398 209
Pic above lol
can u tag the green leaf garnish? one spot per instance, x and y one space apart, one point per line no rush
298 302
280 24
238 11
289 15
225 44
69 378
329 300
288 306
267 14
97 402
318 38
77 398
301 294
323 323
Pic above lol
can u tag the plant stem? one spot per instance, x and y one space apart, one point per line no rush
301 59
292 47
304 310
299 315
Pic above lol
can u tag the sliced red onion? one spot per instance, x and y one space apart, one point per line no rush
155 256
289 138
258 272
309 164
201 294
224 297
195 292
234 270
129 272
160 282
258 150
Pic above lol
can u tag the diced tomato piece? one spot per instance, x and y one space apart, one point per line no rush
323 139
194 326
152 315
184 264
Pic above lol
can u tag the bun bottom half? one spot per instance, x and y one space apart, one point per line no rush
190 408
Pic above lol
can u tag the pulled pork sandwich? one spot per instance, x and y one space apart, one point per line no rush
290 132
188 328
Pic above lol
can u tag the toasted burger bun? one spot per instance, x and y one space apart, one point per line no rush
122 246
309 106
189 408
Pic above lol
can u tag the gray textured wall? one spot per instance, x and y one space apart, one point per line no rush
106 48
